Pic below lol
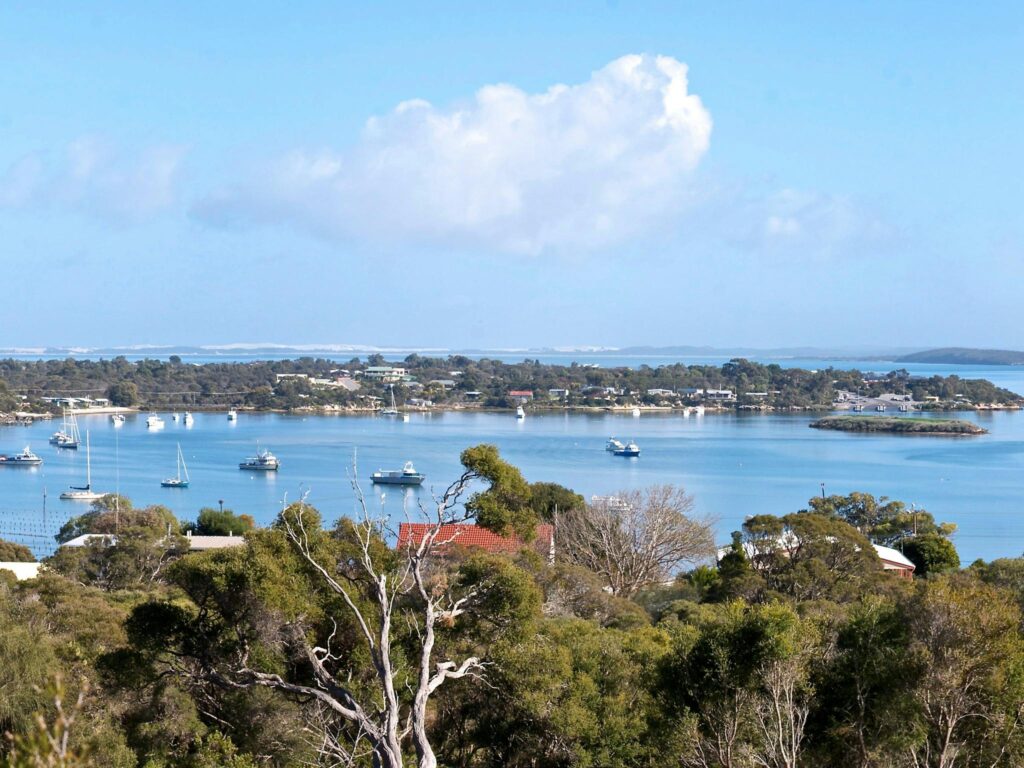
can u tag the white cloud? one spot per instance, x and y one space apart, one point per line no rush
91 175
573 168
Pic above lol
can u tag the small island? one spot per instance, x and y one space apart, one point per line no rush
901 425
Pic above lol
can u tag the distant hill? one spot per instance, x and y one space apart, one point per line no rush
965 356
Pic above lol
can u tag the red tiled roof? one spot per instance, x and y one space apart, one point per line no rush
473 536
520 393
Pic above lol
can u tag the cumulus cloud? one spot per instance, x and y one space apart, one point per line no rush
576 167
93 176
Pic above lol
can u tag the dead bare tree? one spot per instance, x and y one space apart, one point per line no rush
635 538
385 719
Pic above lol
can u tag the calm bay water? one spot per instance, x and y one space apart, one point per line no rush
734 465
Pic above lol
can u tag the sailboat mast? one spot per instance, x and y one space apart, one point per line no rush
88 462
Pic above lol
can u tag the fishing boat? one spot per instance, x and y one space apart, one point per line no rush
24 459
84 492
407 475
629 450
67 436
154 422
263 461
180 480
613 445
189 419
117 419
520 412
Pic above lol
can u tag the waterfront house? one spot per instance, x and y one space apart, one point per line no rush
521 394
386 373
558 394
893 561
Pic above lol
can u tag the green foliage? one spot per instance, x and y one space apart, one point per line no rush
547 499
214 522
123 394
504 507
883 521
15 553
931 554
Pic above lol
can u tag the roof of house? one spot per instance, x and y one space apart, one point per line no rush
472 536
22 571
893 557
196 543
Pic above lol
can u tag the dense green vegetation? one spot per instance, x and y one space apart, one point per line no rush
460 380
901 425
796 649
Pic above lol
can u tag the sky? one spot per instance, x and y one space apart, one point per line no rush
528 174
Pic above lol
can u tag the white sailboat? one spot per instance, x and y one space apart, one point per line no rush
68 435
178 481
84 492
520 412
189 419
392 411
232 415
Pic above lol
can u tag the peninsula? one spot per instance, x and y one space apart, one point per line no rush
900 425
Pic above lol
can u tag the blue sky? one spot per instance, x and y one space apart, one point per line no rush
532 174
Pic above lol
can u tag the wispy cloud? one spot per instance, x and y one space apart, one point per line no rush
576 167
92 175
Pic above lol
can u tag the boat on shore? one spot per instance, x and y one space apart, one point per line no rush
407 475
263 461
154 422
629 450
84 492
178 481
24 459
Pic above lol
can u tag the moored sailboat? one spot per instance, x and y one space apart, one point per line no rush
178 481
84 492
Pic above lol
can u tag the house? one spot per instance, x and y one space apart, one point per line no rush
473 394
660 392
442 383
558 394
386 373
893 561
521 394
419 402
469 536
718 394
285 376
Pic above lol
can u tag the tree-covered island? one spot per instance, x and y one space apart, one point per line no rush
420 382
899 425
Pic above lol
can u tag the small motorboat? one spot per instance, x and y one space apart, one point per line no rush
613 445
263 461
154 422
232 415
629 450
405 476
24 459
636 413
117 419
